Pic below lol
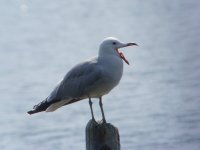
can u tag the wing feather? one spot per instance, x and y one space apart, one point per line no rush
79 80
74 86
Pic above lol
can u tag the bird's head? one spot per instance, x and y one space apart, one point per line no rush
111 46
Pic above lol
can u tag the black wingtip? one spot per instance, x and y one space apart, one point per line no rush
31 112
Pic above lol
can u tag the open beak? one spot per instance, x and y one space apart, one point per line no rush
131 44
121 54
127 44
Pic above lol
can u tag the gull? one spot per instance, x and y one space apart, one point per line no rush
93 78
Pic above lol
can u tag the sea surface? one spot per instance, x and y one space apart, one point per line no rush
156 106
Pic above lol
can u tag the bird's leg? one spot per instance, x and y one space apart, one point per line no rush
90 103
102 112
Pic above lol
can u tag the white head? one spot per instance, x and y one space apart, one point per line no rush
111 45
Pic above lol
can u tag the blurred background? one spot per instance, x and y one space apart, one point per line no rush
157 103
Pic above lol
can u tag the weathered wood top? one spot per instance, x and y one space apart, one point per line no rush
102 136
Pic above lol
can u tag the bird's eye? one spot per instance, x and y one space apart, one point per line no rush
114 43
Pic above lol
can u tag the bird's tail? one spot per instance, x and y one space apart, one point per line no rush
32 112
40 107
51 106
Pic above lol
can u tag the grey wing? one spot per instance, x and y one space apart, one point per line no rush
74 87
77 83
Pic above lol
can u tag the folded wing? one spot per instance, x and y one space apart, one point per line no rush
75 86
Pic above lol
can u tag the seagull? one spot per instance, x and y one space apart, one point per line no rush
93 78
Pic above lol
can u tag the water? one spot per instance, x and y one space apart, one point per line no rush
155 107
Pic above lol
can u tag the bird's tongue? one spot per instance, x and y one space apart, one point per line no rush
123 57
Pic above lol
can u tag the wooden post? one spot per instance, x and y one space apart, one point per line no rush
102 136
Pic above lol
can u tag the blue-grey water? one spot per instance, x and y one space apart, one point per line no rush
157 103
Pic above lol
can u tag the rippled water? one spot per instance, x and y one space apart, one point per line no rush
156 106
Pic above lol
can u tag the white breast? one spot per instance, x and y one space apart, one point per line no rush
112 67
